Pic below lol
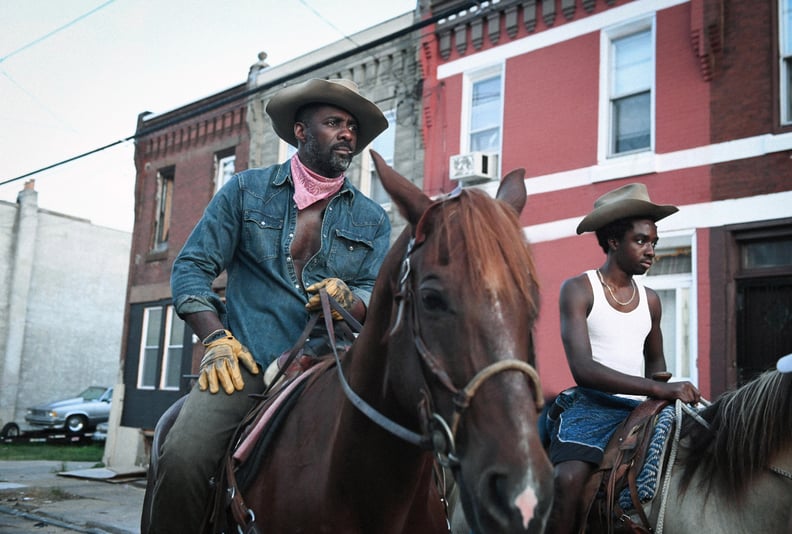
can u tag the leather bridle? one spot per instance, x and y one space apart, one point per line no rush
439 436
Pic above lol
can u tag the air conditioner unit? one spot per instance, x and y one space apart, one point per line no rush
474 167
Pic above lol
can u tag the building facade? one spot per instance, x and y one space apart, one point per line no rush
62 289
184 156
690 97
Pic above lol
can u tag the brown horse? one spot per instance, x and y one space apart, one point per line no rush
442 369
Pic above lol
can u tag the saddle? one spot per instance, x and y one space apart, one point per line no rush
621 464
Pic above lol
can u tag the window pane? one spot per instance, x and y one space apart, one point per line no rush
385 145
148 373
153 325
177 329
786 22
485 141
486 105
164 206
671 261
225 168
769 253
668 328
632 64
788 80
173 353
173 368
631 119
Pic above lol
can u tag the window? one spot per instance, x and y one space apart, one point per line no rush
225 166
285 151
385 145
161 344
671 277
629 86
483 113
164 205
785 58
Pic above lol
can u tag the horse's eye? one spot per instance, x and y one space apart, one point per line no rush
433 300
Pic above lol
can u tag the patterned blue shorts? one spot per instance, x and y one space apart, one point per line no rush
581 421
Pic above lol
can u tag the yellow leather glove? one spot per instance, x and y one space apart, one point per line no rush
220 363
337 289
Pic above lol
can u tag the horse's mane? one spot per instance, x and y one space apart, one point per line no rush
499 256
748 427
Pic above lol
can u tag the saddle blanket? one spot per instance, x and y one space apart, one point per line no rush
248 441
646 482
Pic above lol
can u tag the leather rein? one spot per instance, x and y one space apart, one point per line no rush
440 436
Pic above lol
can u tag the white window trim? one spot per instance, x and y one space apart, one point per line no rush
607 36
143 346
785 92
468 79
166 352
674 281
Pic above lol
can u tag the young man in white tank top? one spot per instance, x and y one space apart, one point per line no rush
610 327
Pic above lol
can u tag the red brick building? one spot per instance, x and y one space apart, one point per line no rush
182 157
690 97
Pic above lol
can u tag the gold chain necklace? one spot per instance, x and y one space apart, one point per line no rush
611 291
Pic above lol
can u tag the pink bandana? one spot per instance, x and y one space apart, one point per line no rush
309 187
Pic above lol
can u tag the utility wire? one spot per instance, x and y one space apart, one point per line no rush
56 30
324 19
263 87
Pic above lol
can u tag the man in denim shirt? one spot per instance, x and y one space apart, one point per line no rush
281 233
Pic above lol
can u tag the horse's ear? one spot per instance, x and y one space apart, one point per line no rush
411 201
512 190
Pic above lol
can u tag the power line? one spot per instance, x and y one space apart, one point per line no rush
56 30
245 94
323 19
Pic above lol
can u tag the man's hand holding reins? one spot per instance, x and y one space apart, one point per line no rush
220 363
337 289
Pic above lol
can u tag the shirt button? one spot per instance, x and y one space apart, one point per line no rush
288 258
351 248
297 286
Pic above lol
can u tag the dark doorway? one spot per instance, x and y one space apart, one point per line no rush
764 324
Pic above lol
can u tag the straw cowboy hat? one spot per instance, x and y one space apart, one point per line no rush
283 106
631 200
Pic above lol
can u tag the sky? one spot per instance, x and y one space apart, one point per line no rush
75 75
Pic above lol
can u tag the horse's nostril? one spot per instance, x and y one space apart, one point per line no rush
494 497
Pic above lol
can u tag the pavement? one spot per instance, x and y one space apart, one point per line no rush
73 495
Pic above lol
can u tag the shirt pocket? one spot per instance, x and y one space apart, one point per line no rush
349 251
262 235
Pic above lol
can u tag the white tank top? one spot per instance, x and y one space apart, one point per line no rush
617 338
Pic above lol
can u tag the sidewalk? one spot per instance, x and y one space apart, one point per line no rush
95 500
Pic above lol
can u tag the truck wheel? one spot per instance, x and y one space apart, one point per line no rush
10 430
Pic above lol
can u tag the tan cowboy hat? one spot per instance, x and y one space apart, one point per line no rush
631 200
282 108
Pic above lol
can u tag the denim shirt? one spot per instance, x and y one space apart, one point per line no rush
247 229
